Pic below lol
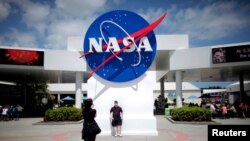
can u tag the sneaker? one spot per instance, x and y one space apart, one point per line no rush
120 135
116 135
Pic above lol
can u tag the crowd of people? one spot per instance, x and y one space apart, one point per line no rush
10 112
229 110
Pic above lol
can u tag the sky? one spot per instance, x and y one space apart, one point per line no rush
48 23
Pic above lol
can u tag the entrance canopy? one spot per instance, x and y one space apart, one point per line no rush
55 66
19 67
236 88
68 98
196 64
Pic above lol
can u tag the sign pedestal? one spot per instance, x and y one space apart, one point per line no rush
136 99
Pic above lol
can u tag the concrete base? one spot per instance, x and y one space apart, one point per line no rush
135 98
131 126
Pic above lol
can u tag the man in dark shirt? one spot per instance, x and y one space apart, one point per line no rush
116 114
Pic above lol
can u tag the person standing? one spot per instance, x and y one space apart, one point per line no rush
224 111
116 115
156 105
243 107
213 110
5 113
89 114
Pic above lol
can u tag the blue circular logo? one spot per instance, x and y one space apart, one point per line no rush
119 46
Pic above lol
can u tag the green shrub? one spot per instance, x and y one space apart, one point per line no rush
191 114
63 114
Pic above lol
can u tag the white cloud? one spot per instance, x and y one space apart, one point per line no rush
4 10
213 21
52 26
78 8
18 39
34 14
151 14
118 2
71 18
60 30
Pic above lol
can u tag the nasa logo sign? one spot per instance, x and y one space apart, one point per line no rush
120 46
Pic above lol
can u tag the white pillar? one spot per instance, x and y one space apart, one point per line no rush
59 80
59 99
78 98
178 79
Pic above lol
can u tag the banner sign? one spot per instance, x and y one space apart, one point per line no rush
21 57
231 54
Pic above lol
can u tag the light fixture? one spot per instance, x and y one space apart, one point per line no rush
7 83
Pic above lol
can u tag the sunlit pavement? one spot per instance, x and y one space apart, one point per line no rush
23 130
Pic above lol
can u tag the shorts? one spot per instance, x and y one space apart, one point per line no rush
116 122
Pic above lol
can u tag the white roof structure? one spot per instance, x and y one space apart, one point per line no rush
197 66
173 54
236 88
208 91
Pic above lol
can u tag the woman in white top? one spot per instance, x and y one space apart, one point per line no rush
4 113
213 110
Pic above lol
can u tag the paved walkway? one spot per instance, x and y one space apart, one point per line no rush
23 130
